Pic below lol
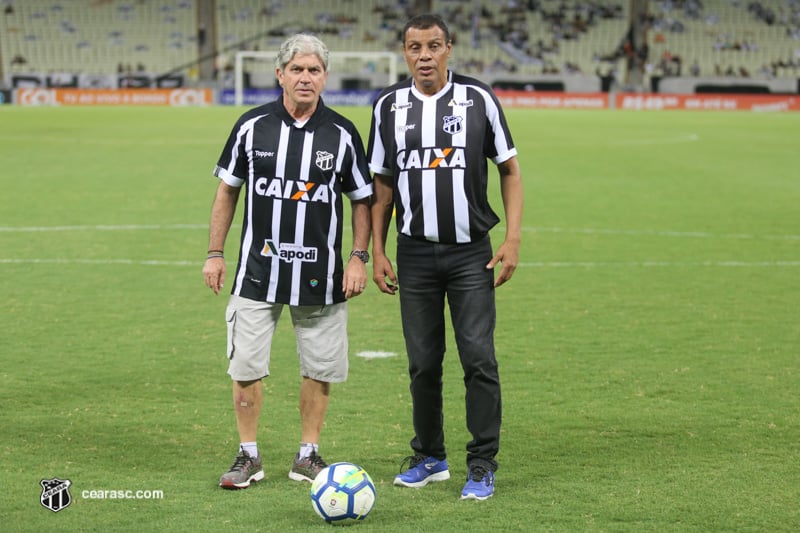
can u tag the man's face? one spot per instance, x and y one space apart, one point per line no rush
303 79
426 53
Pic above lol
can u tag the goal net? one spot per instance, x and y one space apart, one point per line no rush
352 70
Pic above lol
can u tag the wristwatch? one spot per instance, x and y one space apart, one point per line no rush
361 254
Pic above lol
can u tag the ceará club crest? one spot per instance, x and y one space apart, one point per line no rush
453 124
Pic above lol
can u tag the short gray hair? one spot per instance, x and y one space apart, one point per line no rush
301 43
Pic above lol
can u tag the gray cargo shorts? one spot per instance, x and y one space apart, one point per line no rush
320 332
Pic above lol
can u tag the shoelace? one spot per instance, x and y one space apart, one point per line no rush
411 461
317 461
477 473
241 461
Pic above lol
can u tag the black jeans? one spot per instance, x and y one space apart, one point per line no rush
428 272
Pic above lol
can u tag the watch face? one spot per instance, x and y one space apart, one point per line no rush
361 254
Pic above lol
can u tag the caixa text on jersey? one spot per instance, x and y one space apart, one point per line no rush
301 191
432 158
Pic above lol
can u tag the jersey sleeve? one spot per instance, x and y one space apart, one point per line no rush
502 147
376 150
232 163
355 170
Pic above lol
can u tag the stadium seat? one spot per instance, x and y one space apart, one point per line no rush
91 36
97 36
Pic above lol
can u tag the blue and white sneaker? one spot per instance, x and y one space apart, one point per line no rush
422 470
480 484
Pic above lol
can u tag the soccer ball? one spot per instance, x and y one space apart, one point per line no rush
342 492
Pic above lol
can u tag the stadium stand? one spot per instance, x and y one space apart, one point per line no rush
491 39
743 39
97 36
735 38
499 37
542 37
344 25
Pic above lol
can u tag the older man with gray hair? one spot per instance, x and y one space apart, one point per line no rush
297 159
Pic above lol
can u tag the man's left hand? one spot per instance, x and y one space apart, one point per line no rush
508 256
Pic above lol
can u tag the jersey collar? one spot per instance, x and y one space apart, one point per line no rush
422 96
313 121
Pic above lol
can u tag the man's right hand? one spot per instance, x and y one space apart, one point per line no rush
214 273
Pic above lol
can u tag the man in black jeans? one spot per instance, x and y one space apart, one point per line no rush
429 141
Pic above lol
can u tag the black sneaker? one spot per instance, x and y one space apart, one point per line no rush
306 469
244 470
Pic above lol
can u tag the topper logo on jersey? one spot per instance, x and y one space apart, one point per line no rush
291 190
289 252
432 158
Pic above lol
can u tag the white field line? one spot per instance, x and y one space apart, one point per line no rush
658 264
102 227
687 234
538 264
544 264
376 354
69 261
530 229
67 139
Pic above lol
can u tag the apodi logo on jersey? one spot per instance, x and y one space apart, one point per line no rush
289 252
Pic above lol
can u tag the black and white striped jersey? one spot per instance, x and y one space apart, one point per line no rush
295 177
436 150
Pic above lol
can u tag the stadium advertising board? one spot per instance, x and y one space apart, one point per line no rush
254 97
63 80
508 98
552 100
649 102
709 102
154 97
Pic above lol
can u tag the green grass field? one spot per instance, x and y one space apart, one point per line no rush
649 342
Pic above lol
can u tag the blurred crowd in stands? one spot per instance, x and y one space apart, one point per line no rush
507 36
669 20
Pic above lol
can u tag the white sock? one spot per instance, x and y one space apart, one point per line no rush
307 448
251 448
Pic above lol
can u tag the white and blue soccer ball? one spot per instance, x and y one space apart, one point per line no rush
342 492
